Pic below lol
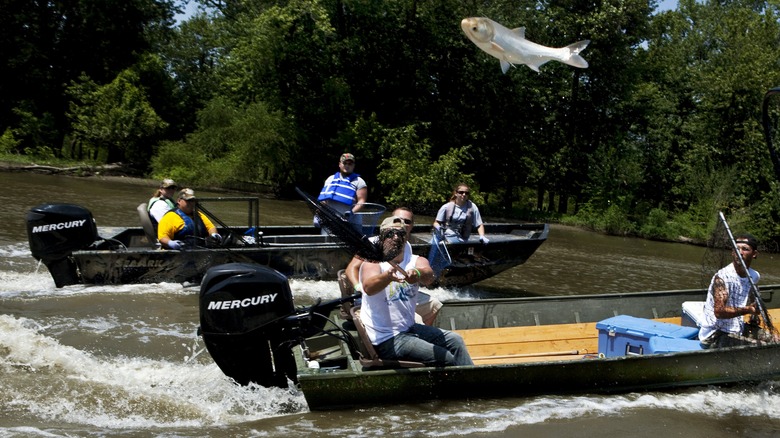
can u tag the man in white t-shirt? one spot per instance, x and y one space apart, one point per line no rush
162 201
389 301
427 306
729 299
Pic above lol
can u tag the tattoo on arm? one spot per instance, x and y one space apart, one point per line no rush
720 295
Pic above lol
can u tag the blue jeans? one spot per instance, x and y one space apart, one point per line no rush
426 344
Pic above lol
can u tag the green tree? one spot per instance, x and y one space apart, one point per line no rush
116 118
233 144
707 66
47 45
414 178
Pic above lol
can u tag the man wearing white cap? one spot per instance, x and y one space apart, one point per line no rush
389 301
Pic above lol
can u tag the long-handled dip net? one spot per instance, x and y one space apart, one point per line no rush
720 247
352 238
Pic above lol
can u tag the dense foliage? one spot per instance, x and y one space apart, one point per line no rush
660 132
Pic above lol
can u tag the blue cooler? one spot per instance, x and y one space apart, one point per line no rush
660 345
625 335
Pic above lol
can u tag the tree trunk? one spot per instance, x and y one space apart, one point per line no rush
539 198
563 204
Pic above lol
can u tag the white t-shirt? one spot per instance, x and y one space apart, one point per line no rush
158 210
390 312
739 292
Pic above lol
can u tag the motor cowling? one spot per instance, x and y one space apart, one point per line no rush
54 231
242 321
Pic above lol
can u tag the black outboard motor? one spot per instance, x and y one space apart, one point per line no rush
243 308
54 232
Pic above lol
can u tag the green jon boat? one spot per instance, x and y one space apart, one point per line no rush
520 346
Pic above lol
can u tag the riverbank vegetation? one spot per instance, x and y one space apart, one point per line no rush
660 132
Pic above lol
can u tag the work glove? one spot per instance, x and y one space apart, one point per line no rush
175 244
484 240
348 214
316 221
438 232
217 238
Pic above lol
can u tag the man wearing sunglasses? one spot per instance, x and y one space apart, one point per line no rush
427 306
389 300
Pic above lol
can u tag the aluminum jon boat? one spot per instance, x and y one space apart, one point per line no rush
67 240
521 346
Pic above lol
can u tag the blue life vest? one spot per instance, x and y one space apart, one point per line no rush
340 189
192 228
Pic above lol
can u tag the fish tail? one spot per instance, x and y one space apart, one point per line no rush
575 60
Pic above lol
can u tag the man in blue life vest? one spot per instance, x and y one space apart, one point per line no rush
182 226
345 191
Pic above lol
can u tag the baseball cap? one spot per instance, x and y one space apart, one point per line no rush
392 222
748 239
346 157
168 183
187 194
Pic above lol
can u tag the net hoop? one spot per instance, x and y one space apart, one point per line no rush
369 215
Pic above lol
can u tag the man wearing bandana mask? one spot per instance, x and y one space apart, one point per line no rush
729 299
389 299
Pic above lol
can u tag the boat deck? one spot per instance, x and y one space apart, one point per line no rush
535 343
544 343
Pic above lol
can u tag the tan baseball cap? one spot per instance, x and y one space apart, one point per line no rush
187 194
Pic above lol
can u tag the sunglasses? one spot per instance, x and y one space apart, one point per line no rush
463 192
389 234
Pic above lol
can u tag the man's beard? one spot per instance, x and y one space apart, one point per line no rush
391 248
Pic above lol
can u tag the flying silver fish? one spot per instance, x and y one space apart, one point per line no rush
511 47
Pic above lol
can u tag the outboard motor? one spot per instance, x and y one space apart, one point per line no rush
243 308
54 232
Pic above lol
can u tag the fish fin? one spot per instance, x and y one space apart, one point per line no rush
520 31
575 60
496 47
505 66
535 67
578 47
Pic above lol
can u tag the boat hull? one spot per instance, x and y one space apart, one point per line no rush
596 375
298 252
348 384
